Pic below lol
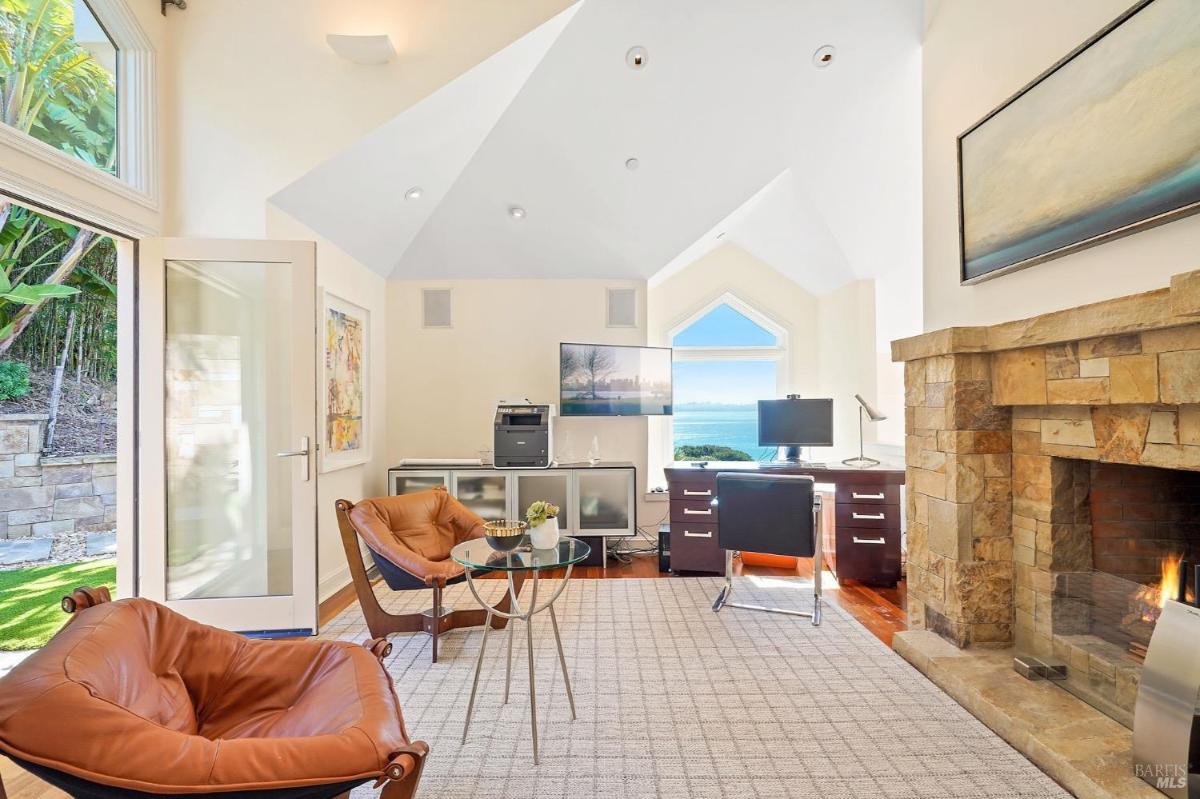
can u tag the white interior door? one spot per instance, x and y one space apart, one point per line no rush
227 423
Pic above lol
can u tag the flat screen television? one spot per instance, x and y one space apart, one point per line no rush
612 380
795 423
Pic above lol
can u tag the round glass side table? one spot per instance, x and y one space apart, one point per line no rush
479 557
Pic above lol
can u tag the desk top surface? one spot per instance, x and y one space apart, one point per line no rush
884 473
466 466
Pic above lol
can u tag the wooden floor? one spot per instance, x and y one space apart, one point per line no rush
880 610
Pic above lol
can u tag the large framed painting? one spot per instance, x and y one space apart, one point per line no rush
345 380
1103 144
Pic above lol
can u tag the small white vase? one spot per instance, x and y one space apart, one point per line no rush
545 535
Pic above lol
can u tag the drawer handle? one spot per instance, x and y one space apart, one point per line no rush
690 534
856 495
866 515
688 493
858 540
690 512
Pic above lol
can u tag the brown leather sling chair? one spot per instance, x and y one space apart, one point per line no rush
410 538
133 700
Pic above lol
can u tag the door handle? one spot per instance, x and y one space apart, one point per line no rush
867 516
858 540
298 453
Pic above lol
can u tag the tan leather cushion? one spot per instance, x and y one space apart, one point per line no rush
417 531
136 696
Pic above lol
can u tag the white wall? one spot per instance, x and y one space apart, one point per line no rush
846 346
976 54
443 385
346 278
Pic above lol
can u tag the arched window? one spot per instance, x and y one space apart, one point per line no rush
727 357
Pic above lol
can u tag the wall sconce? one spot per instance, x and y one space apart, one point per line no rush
371 49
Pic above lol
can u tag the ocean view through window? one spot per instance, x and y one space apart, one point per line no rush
724 363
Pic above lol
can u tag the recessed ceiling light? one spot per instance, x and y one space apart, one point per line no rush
414 193
636 57
516 212
823 57
632 164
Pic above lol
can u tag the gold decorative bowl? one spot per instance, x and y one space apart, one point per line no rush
505 536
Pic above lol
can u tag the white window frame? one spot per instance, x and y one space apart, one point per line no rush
777 353
137 139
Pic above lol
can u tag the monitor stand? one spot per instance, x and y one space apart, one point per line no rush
792 456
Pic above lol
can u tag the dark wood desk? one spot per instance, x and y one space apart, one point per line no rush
863 543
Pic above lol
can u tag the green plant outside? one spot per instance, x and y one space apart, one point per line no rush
14 380
30 614
710 452
51 87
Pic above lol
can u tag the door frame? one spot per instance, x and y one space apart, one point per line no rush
151 478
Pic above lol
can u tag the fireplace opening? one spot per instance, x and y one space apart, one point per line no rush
1144 525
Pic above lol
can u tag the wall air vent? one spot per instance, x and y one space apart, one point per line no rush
435 308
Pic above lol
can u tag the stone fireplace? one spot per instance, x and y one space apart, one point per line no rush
1053 465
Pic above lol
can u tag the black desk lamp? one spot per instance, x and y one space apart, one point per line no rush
862 461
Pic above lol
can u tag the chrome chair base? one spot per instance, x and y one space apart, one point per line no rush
722 600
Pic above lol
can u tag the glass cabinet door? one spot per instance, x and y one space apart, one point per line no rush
484 492
605 500
403 481
550 486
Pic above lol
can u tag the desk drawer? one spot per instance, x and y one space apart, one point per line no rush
692 492
866 494
869 556
694 511
873 516
694 548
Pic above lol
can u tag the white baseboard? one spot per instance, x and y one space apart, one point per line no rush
332 583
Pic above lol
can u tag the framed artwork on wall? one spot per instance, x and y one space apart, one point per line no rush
345 384
1103 144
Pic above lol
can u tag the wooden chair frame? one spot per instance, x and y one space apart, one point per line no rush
432 622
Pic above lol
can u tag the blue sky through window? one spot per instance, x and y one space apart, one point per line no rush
724 327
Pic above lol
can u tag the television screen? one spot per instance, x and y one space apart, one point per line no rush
795 422
608 380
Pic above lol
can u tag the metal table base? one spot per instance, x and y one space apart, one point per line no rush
527 617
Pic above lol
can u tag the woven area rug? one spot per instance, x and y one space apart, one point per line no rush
676 701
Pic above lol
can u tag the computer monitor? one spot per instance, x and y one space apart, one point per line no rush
793 423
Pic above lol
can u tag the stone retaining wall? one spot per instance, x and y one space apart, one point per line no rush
51 496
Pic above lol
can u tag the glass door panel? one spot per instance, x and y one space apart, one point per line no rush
551 486
406 482
605 501
485 493
227 412
229 498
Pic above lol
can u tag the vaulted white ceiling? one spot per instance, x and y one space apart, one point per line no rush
737 134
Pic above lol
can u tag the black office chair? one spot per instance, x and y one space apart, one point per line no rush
775 514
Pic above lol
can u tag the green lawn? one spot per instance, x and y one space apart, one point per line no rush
29 609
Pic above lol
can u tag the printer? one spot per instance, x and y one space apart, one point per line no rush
523 438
